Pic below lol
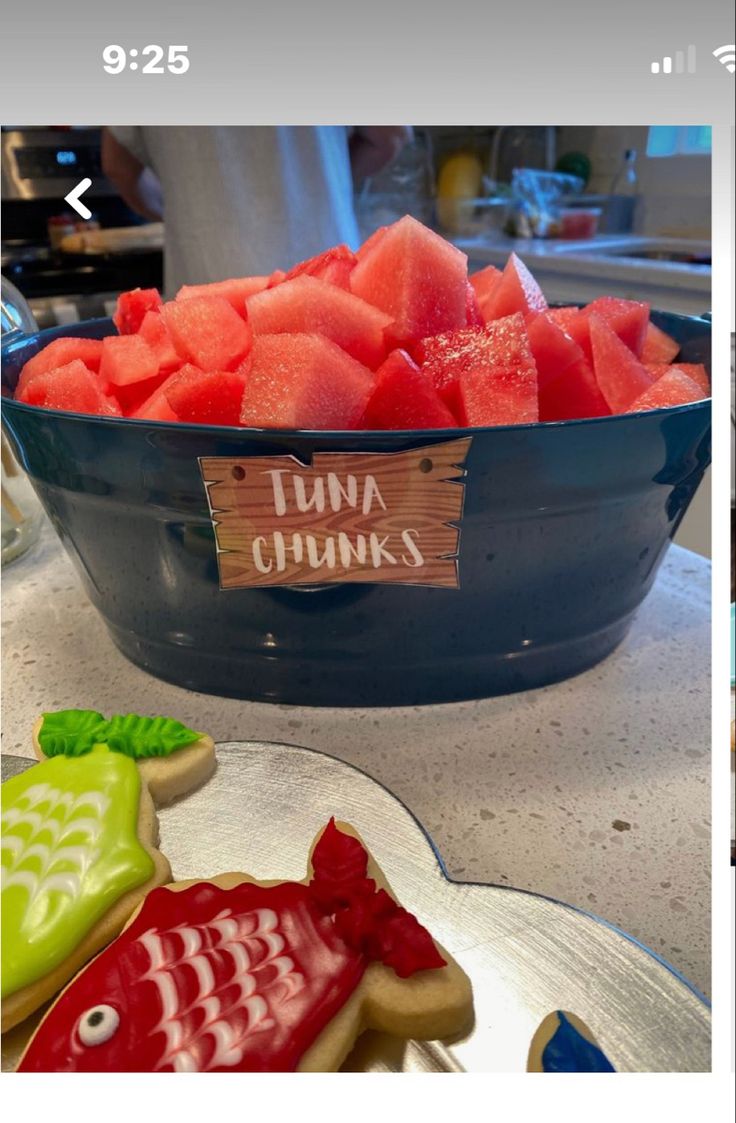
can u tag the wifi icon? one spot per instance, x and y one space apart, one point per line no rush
727 56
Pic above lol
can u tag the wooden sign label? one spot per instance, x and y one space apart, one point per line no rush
347 516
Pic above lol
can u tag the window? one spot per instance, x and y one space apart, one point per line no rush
679 140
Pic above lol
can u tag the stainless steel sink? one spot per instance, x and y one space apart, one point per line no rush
681 251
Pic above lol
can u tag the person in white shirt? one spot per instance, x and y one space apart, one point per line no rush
245 200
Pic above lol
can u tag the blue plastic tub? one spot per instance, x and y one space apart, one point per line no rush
563 530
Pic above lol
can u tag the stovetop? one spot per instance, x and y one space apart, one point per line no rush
38 271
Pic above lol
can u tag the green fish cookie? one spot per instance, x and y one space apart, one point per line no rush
78 841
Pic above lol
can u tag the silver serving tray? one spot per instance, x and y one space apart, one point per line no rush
526 955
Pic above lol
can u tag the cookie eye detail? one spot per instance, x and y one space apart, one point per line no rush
98 1024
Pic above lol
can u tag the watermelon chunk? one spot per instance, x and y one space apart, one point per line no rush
473 315
404 398
59 353
315 307
371 241
502 345
503 398
207 398
673 389
658 346
502 388
208 332
133 396
575 324
156 407
620 376
71 387
442 357
695 371
567 385
132 306
484 282
628 318
553 350
304 381
156 334
333 266
565 316
485 376
515 291
574 394
698 373
235 291
127 359
415 277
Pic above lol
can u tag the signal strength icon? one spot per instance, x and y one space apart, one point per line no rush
727 56
683 62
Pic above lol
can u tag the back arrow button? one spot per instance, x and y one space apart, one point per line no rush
73 198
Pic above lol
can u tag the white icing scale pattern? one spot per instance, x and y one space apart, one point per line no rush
218 983
50 840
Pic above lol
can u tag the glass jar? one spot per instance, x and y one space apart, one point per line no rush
21 510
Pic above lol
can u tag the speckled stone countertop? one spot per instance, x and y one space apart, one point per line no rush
595 791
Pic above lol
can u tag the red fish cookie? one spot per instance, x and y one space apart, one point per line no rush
79 841
235 975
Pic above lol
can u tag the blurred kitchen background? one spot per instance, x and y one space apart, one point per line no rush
592 211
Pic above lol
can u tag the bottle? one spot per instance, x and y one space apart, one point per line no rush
620 206
625 180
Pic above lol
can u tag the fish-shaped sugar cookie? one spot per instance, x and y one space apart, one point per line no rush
235 975
79 838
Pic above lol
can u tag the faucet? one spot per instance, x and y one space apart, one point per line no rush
550 151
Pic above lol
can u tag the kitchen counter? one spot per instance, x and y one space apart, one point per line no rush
579 271
595 791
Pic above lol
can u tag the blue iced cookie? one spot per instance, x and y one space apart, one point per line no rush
563 1043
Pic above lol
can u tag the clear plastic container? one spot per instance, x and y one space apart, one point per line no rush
579 222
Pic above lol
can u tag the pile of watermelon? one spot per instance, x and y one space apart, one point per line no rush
395 336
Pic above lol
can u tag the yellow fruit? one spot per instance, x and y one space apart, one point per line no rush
460 177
